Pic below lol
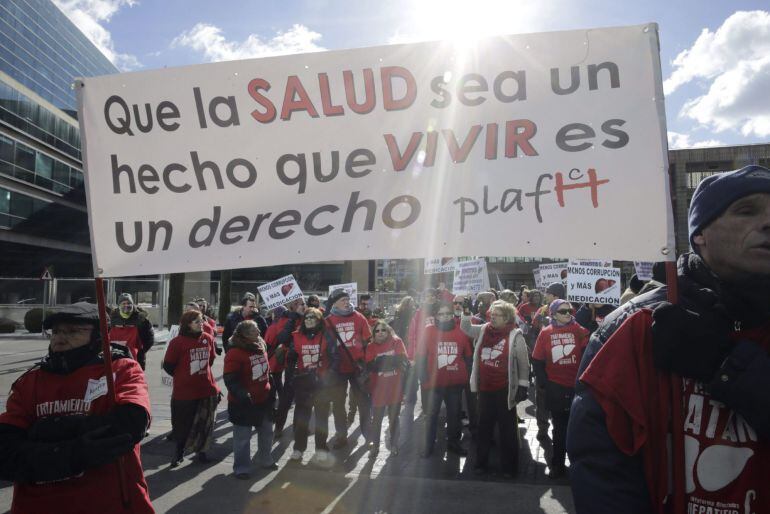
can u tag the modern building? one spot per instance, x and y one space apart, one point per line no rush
43 220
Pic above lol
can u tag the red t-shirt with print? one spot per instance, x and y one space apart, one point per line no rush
354 331
38 394
128 336
252 370
725 461
493 365
445 353
561 348
191 358
311 352
385 387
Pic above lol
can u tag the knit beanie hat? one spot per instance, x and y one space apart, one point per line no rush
555 305
336 295
556 289
717 192
125 297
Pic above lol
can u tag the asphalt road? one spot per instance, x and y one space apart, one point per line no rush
354 484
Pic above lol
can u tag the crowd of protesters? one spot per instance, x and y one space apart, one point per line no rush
612 409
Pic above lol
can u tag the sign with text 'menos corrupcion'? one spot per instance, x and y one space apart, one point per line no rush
526 145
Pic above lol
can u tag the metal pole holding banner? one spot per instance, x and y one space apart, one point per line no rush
107 355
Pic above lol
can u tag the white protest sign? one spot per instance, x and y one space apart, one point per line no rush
596 263
350 288
586 284
538 281
643 270
471 277
328 155
440 265
280 292
553 272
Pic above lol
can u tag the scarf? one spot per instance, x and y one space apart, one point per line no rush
446 326
259 346
493 335
336 311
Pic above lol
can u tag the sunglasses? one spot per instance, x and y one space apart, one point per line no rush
312 317
563 312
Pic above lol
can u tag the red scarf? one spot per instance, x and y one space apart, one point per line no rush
493 335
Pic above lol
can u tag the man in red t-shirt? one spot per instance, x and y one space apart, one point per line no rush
443 363
671 411
130 327
555 359
353 331
61 438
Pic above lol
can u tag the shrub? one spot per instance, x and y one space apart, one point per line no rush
33 321
7 326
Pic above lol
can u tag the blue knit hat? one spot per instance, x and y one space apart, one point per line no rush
717 192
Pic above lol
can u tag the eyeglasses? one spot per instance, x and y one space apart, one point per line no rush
445 314
380 330
314 318
563 312
457 303
199 320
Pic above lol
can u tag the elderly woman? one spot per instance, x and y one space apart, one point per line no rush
195 395
386 362
250 398
556 359
500 374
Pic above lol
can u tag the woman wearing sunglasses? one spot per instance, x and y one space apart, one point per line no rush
556 359
315 348
386 362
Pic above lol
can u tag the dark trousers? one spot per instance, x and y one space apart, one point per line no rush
560 420
411 386
338 393
182 416
451 397
308 397
285 389
494 412
541 411
471 403
376 426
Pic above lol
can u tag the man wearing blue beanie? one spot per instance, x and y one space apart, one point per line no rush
693 375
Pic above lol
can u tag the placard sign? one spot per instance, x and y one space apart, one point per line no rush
643 270
471 277
280 292
440 265
593 285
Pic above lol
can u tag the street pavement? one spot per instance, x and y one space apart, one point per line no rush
354 483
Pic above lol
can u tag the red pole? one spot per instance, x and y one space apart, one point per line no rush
107 353
677 415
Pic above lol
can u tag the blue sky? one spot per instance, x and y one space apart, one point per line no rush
715 53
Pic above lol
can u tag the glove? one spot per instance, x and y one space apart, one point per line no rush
521 394
690 344
467 305
218 349
96 448
59 428
141 358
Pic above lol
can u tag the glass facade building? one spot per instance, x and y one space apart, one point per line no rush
43 220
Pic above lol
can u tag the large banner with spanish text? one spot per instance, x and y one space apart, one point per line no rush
529 145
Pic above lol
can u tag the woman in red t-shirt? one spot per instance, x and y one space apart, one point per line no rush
556 359
386 361
500 375
312 347
443 362
195 394
250 398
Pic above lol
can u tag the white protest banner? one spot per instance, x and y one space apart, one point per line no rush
643 270
471 277
553 272
391 152
440 265
538 281
586 284
350 288
280 292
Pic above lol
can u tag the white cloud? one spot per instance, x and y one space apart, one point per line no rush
209 40
733 64
677 141
89 16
